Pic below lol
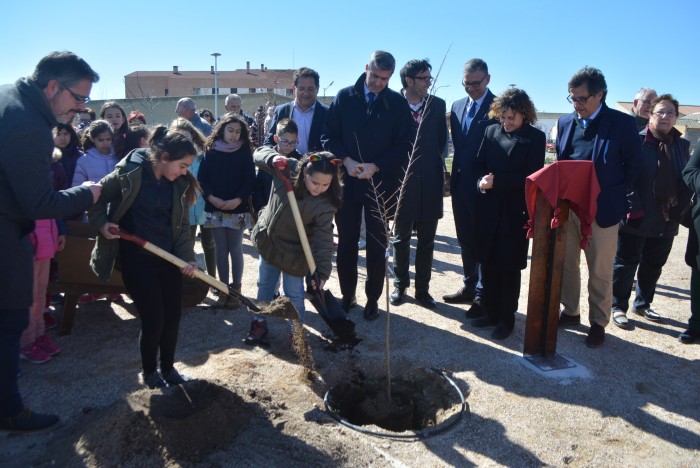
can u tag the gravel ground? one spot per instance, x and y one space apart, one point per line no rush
632 402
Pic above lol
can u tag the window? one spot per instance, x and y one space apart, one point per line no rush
251 90
234 90
166 91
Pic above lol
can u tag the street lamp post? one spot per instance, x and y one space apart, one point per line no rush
216 84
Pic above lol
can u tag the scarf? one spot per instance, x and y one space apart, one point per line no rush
220 145
665 186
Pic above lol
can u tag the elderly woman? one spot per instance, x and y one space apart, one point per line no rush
510 151
644 241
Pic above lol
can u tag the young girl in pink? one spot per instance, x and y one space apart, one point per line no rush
36 346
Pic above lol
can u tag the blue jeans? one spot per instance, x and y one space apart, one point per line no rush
268 277
12 324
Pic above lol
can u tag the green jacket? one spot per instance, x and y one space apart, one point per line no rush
275 235
119 189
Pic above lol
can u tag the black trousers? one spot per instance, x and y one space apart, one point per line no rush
501 294
349 221
424 253
465 219
645 256
155 286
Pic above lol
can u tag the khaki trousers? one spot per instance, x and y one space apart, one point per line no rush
600 255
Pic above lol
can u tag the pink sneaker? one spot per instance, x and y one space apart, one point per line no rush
48 346
34 354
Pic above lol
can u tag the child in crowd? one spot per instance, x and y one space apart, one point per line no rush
197 216
227 177
36 346
67 142
154 206
136 118
318 191
115 115
99 160
136 137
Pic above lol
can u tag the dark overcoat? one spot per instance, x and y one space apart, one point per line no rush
501 212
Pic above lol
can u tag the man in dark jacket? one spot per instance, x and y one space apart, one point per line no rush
421 202
369 127
305 110
57 90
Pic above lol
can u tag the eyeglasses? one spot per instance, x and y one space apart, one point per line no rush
662 114
578 100
316 158
289 142
78 98
473 84
426 79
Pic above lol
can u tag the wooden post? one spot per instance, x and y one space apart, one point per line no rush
546 268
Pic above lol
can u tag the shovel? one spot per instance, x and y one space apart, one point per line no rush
323 301
165 255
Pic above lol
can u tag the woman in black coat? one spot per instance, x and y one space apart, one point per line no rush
510 151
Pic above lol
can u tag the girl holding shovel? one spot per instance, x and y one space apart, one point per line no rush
318 191
149 194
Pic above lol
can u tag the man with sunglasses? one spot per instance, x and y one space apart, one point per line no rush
468 121
29 110
369 128
609 138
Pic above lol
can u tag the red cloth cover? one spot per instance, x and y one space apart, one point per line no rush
574 181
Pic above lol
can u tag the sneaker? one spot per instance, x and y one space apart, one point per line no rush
258 331
49 321
48 346
90 297
153 380
34 354
28 421
173 377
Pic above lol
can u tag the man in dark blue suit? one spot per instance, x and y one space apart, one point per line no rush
305 110
370 128
468 121
609 138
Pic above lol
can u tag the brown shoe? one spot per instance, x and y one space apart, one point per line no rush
596 336
569 320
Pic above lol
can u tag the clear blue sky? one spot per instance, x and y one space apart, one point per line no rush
535 45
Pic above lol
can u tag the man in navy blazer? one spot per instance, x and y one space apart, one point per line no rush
468 121
609 138
305 110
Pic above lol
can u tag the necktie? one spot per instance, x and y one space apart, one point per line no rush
585 122
416 116
472 110
370 100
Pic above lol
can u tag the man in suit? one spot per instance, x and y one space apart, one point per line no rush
421 203
369 127
468 121
305 110
610 139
